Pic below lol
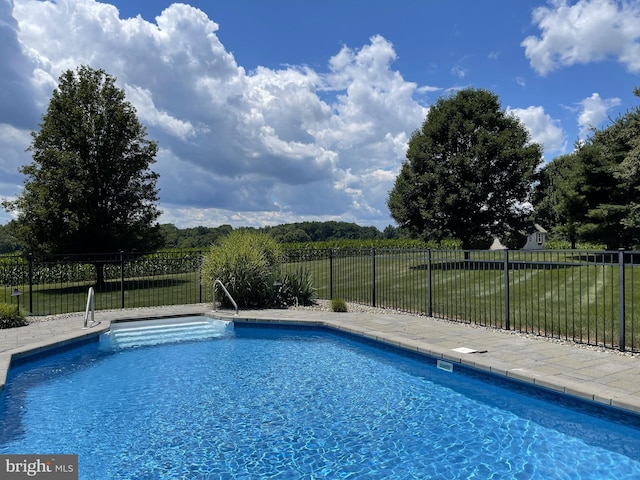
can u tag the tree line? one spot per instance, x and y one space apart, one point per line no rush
172 237
301 232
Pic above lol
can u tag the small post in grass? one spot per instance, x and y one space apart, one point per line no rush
16 293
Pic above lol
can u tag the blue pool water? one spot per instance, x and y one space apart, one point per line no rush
289 404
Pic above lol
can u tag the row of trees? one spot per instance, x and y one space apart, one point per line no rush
203 237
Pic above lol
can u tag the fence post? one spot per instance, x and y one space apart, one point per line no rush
429 295
200 278
31 284
507 323
373 277
122 278
331 274
621 300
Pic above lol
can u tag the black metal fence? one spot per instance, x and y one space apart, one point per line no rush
583 296
588 297
54 284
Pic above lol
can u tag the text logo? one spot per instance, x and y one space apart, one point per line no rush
50 467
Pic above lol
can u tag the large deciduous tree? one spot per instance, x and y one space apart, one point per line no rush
468 173
89 188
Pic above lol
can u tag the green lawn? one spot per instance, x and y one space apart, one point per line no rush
51 299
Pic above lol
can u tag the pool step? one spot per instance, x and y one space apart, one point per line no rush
155 332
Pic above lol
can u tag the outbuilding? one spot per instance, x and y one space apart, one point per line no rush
536 238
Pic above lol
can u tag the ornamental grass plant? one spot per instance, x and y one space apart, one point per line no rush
244 262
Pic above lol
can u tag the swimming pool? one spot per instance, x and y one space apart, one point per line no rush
299 403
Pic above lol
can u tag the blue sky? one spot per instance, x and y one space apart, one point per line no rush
284 111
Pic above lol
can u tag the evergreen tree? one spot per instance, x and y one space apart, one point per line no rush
593 194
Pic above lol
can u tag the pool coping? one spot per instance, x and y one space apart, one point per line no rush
606 378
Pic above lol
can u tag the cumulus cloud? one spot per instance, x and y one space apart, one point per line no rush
593 111
150 115
542 128
15 73
271 145
587 31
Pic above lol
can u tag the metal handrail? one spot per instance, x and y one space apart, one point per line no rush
215 284
91 307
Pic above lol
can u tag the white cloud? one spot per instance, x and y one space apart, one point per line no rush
148 114
459 71
428 89
593 112
587 31
236 147
542 128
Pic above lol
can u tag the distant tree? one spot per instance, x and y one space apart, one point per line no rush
297 235
89 188
170 235
301 232
321 231
203 237
392 233
8 241
224 230
196 237
468 174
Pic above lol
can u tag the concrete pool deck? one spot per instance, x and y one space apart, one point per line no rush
605 377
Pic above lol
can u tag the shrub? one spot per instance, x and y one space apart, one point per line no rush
244 262
296 288
338 305
300 285
10 318
559 244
